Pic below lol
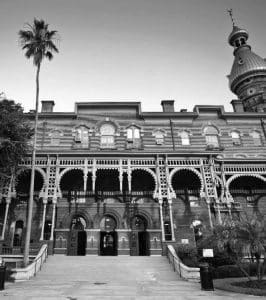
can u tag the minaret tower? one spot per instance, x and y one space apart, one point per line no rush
248 74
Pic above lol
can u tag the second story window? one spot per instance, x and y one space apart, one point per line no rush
82 136
256 138
55 137
211 136
133 137
236 138
184 135
133 133
107 132
159 136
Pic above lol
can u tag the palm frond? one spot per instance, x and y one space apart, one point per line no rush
38 41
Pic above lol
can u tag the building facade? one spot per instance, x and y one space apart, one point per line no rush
113 180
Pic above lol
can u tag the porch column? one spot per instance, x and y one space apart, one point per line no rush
161 218
5 219
219 213
53 221
230 211
121 180
209 212
43 219
171 219
94 170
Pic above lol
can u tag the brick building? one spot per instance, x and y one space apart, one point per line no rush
112 180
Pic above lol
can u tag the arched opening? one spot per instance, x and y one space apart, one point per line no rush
108 236
187 185
140 243
23 184
17 240
249 191
72 184
77 236
107 180
142 181
47 230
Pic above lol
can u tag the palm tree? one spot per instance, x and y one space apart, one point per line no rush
38 43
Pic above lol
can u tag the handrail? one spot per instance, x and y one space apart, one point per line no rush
19 274
185 272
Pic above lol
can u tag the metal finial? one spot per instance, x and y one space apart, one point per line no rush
230 12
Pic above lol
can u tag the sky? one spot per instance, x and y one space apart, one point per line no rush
128 50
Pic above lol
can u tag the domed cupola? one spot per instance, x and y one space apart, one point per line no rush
248 74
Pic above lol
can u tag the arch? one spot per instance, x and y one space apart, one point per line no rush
106 121
112 222
38 169
210 129
62 173
175 170
114 214
143 214
139 222
67 219
151 173
232 178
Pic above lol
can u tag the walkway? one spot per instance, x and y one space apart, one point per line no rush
99 277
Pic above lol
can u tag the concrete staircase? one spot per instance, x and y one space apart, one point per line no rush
102 277
116 278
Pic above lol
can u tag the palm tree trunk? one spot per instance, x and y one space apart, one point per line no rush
30 204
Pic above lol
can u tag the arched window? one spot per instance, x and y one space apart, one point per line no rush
236 138
82 136
184 135
107 132
211 137
133 137
55 137
256 138
133 133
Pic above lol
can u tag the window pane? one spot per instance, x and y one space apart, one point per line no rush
129 133
235 135
212 140
184 138
107 129
136 133
211 130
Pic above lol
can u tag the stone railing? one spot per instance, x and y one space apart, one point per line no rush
21 274
185 272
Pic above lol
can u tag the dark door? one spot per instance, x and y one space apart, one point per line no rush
108 243
143 241
77 242
82 243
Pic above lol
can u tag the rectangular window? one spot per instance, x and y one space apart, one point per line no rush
212 140
107 141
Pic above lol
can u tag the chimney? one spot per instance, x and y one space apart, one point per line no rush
237 106
168 105
47 106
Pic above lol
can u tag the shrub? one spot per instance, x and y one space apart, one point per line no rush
188 254
229 271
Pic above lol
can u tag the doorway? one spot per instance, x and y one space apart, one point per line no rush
77 240
139 240
108 236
